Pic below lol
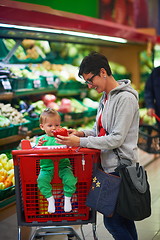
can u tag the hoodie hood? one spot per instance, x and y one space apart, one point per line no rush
125 85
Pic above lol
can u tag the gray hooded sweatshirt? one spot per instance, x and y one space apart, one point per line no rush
120 119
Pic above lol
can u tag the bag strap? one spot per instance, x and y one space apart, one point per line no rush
121 163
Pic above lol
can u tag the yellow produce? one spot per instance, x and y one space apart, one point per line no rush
3 159
7 184
13 180
9 165
11 162
6 172
3 175
2 186
1 166
10 171
8 181
2 178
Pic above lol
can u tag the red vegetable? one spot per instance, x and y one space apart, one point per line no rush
47 98
53 105
60 131
66 106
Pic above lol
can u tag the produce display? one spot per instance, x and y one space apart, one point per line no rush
145 119
90 103
18 72
30 48
65 72
88 125
70 52
146 64
36 51
4 122
56 68
6 172
118 69
27 109
64 105
43 75
19 53
12 114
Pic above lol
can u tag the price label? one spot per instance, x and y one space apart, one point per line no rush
6 84
22 130
67 117
37 83
50 80
83 94
56 82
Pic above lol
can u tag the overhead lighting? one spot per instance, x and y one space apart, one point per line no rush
73 33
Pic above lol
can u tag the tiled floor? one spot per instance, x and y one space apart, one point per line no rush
148 229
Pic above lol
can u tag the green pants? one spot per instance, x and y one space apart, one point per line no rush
65 173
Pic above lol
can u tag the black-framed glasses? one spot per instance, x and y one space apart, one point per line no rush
48 109
90 80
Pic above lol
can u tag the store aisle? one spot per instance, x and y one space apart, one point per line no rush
148 229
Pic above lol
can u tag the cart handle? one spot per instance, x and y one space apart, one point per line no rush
25 144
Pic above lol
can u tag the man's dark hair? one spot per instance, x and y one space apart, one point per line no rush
93 63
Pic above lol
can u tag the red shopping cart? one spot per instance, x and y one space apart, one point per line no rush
32 206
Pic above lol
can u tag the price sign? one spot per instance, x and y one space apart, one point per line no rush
6 84
56 82
22 130
83 94
50 80
67 117
37 83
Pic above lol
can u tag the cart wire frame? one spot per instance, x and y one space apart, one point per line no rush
149 138
31 205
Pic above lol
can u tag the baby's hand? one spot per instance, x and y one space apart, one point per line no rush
41 141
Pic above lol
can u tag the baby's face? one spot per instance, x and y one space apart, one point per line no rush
50 124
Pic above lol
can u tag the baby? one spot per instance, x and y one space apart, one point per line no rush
49 121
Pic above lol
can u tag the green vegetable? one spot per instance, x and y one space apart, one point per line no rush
4 122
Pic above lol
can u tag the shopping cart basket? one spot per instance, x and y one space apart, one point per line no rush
32 206
149 138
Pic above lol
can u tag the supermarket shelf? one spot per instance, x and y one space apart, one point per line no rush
33 15
25 92
7 207
76 122
14 138
59 93
71 92
6 95
33 91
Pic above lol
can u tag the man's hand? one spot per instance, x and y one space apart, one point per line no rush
150 112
